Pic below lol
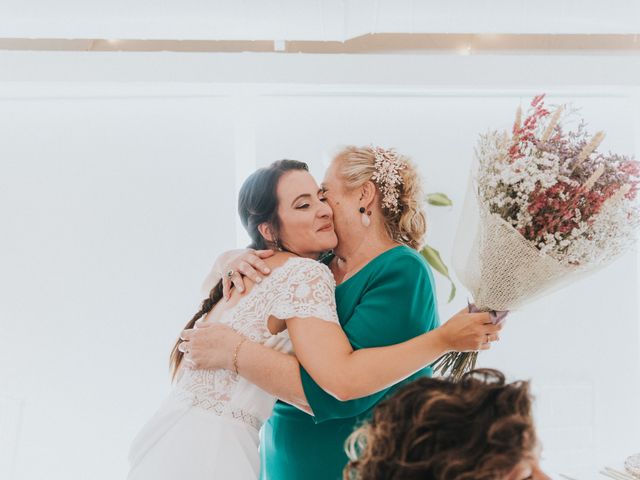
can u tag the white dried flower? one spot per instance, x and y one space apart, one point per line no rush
388 165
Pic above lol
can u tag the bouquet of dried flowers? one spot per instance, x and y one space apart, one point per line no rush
543 208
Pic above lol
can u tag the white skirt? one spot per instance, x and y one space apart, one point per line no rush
194 444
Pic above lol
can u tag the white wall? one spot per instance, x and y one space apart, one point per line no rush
112 214
115 198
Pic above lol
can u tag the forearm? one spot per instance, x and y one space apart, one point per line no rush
370 370
275 372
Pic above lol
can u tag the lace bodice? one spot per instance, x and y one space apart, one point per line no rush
301 287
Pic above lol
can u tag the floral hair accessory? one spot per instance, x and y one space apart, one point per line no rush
388 165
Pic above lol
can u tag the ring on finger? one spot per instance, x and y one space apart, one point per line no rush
230 273
488 338
242 269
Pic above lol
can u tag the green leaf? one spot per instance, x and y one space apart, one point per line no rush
432 256
439 200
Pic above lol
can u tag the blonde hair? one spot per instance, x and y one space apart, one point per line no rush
407 225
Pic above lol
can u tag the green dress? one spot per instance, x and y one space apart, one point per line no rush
390 300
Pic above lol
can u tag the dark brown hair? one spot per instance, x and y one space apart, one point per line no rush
257 204
434 429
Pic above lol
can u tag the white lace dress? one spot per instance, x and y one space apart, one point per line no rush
208 426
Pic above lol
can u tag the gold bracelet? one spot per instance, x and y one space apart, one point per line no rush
235 354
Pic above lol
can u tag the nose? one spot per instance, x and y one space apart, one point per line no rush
325 211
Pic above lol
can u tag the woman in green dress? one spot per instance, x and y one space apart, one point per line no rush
385 296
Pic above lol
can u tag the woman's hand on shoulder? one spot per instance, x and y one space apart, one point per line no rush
468 332
248 263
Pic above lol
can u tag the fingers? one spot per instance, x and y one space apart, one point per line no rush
256 263
265 253
237 281
493 337
489 328
487 339
248 270
186 335
486 321
183 347
249 264
231 279
481 317
202 324
252 265
226 287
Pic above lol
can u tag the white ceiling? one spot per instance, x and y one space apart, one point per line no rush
310 20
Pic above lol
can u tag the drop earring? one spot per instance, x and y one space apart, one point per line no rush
366 221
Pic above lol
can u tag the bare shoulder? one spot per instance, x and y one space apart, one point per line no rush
278 259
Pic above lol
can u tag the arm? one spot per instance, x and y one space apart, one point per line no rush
280 374
340 370
212 346
326 353
273 371
398 304
328 357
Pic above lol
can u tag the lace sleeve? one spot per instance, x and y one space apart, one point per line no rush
307 290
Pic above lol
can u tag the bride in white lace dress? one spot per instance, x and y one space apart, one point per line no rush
208 426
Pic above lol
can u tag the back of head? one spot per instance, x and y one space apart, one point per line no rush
399 189
477 429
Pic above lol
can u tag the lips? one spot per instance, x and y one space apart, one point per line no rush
326 228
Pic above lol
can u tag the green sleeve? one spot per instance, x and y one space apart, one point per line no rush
399 304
